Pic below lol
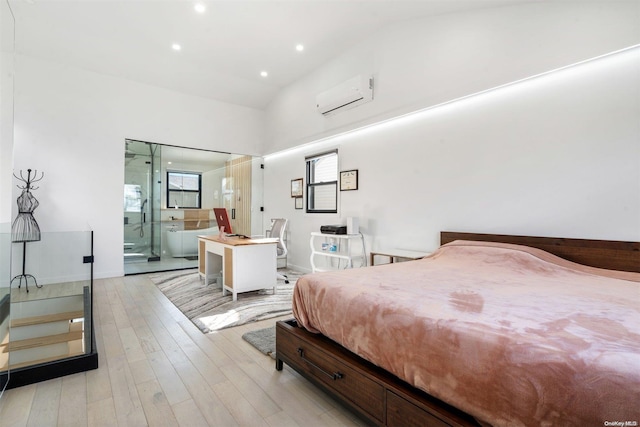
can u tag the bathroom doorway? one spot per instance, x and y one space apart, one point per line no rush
142 242
169 196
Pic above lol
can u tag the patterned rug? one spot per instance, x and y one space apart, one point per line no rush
205 306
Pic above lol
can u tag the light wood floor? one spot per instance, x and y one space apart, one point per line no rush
157 368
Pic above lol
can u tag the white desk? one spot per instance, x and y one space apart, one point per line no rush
246 264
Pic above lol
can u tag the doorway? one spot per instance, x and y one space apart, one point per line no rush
142 241
169 196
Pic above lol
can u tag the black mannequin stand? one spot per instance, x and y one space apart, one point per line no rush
23 275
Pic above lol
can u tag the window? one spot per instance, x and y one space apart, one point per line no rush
322 183
132 198
183 189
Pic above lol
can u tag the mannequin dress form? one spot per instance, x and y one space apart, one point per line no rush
25 228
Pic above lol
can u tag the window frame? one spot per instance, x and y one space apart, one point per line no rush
198 191
312 185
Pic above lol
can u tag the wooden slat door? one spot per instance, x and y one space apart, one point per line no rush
238 174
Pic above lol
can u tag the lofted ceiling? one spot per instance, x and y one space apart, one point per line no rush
223 50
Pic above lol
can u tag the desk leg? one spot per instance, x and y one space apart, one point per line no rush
372 258
229 278
207 266
234 294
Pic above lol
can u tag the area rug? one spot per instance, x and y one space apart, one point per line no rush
263 339
205 306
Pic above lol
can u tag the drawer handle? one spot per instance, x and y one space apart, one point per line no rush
334 376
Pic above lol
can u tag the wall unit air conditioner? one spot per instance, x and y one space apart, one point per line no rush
351 93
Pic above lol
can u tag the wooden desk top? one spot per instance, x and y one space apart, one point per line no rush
238 241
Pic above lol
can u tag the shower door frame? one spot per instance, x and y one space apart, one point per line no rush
149 200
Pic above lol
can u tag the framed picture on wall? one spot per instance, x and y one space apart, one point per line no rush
299 203
349 180
296 187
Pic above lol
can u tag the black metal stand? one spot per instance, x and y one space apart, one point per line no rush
23 275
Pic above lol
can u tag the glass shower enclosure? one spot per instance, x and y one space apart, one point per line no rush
142 198
169 196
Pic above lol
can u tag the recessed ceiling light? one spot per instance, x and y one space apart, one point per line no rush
200 7
299 47
176 46
264 73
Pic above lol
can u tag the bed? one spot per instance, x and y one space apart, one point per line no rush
489 330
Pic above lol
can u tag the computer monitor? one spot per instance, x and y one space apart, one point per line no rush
222 218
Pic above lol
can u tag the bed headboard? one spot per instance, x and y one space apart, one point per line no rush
609 254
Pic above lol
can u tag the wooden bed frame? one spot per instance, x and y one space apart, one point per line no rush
609 254
385 400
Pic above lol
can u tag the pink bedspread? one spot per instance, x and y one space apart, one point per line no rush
509 334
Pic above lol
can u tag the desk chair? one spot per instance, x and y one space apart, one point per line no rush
277 230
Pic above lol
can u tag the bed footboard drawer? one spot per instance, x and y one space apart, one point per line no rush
334 374
401 413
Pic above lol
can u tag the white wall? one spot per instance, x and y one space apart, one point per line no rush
72 124
555 156
7 26
429 61
6 146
